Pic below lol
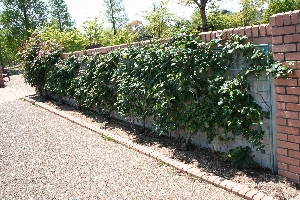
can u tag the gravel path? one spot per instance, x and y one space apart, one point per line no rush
43 156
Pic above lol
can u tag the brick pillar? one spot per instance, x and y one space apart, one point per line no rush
286 47
1 78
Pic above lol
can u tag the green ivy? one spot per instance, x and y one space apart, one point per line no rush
184 84
239 157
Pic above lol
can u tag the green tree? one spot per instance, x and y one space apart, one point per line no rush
201 5
70 39
60 15
93 30
252 12
18 18
115 14
279 6
159 20
220 19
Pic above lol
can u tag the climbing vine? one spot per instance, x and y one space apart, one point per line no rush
186 85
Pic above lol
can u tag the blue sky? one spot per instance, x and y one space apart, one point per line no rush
84 10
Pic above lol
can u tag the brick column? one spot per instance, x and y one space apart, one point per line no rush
1 78
286 47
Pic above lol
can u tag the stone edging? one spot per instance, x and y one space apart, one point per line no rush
228 185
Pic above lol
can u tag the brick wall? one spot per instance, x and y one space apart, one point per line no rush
286 47
1 78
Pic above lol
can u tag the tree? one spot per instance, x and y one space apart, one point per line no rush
18 18
159 20
60 15
252 12
220 19
115 14
70 39
93 30
279 6
201 4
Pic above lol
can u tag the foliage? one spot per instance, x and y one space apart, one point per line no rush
239 157
96 86
158 20
220 19
66 71
115 14
279 6
36 58
71 39
18 18
60 15
252 12
183 83
93 31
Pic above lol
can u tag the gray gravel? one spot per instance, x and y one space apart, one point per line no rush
43 156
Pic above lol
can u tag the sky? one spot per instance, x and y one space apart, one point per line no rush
88 9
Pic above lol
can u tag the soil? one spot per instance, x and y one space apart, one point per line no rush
206 160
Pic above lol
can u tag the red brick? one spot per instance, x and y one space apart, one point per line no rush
287 174
279 20
295 17
287 114
249 195
292 56
263 30
277 40
288 160
286 82
272 20
296 73
248 31
203 38
286 98
237 188
213 35
269 30
255 29
292 38
294 169
281 121
235 31
293 107
280 90
282 151
242 31
208 37
280 106
288 130
284 48
298 28
287 18
285 30
294 139
283 166
262 40
294 123
259 196
294 154
287 145
278 56
243 191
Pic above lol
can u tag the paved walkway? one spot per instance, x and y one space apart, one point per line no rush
44 156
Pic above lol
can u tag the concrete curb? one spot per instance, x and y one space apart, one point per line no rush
236 188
